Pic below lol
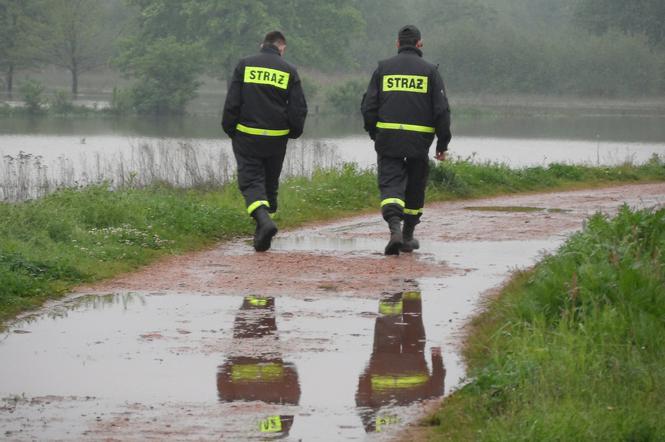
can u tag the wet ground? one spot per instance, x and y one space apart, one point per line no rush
322 338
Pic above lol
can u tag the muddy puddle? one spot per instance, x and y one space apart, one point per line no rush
188 365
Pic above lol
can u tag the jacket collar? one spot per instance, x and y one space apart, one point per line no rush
270 49
410 49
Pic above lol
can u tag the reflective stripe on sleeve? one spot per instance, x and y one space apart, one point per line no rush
402 126
264 132
255 205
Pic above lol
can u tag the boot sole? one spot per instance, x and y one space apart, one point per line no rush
264 239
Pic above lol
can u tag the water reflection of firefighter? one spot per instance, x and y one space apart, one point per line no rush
397 372
254 369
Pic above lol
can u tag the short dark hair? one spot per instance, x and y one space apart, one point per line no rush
409 35
274 37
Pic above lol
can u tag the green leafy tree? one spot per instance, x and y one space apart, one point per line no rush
224 28
167 73
381 23
633 17
320 33
228 30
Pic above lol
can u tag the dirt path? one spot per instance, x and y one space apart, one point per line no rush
322 338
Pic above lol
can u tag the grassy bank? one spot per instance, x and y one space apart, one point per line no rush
75 236
572 350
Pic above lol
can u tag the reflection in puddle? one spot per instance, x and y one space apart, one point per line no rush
263 376
118 367
397 373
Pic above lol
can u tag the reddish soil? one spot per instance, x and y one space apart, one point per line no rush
234 268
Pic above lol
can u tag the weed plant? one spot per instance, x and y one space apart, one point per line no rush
180 164
572 350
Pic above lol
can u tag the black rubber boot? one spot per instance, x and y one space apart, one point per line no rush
265 229
409 242
395 243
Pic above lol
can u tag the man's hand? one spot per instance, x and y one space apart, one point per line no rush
440 156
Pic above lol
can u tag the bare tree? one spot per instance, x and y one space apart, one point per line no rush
80 41
20 29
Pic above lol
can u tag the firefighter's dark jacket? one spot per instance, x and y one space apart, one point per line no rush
406 91
265 93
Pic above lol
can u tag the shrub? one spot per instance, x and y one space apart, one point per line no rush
61 103
309 87
167 73
32 93
345 98
122 101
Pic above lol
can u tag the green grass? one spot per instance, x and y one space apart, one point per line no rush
49 245
572 350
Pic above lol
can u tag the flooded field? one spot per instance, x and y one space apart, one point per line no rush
328 341
516 140
44 154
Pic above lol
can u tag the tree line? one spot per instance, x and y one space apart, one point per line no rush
586 47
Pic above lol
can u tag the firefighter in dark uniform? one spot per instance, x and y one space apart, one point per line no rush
265 106
404 107
397 372
262 375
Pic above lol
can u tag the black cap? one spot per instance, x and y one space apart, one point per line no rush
409 33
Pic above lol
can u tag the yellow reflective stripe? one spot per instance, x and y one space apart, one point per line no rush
397 201
390 308
412 296
405 83
382 421
269 372
272 424
403 126
261 75
398 382
264 132
257 301
413 211
255 205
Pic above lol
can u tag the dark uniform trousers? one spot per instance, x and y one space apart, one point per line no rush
259 167
402 181
404 108
264 108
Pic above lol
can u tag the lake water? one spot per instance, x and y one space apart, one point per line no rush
80 151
